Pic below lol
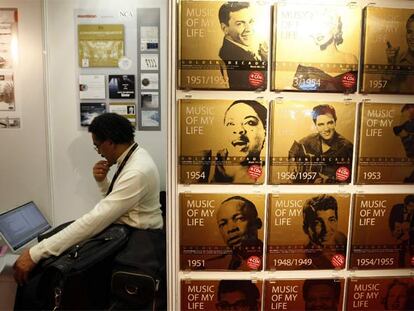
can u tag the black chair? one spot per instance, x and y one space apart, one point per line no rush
139 277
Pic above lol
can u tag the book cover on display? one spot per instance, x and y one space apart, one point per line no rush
149 38
307 231
304 294
149 81
316 48
221 231
222 141
150 100
149 62
388 51
311 142
7 102
92 86
383 231
121 86
386 144
88 111
126 109
150 118
223 45
100 45
8 37
380 293
221 295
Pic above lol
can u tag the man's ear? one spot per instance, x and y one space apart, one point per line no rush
111 143
224 28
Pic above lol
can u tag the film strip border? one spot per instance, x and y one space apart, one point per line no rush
206 160
309 160
214 64
332 67
379 160
389 69
288 249
375 248
214 250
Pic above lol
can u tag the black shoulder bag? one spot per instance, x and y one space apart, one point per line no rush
80 277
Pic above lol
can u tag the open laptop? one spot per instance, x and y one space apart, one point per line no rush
21 225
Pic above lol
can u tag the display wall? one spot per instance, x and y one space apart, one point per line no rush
271 171
46 153
72 155
24 168
70 190
24 157
48 158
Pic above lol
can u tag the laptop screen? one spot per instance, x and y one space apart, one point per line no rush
21 225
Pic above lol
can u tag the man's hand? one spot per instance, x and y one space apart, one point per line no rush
100 170
22 267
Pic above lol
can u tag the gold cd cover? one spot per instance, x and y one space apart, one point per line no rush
221 295
100 45
316 48
307 231
388 51
304 294
386 293
223 45
311 142
221 231
382 234
222 141
386 151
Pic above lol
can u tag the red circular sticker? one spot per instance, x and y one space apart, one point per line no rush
338 261
254 262
255 171
412 261
342 173
256 78
348 80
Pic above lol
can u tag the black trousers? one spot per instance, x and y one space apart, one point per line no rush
26 297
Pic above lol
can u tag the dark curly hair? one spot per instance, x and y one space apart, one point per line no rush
256 106
321 110
229 7
112 126
321 202
249 290
332 283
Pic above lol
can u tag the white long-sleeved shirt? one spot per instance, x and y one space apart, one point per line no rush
134 201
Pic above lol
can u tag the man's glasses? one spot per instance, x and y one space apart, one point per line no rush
97 146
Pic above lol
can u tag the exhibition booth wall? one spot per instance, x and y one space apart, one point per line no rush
47 154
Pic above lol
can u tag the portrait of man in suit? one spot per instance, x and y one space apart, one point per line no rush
238 295
320 224
321 294
238 222
237 21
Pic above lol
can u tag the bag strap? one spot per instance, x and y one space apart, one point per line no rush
135 146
